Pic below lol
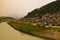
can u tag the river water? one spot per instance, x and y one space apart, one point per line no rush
8 33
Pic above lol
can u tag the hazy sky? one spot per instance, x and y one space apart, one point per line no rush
20 8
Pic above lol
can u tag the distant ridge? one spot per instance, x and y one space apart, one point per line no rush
50 8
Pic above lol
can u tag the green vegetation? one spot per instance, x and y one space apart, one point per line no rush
34 30
26 27
30 29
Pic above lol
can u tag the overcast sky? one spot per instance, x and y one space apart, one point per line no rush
20 8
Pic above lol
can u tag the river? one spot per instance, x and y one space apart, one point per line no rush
9 33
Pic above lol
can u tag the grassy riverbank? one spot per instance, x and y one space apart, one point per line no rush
30 29
9 33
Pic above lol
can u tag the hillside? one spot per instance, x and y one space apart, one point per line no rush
48 14
50 8
6 19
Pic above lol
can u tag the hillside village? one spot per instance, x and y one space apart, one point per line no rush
41 22
46 20
48 15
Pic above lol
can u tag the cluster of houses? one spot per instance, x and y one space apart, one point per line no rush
47 20
34 21
53 19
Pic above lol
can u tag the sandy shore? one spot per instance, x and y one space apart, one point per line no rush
8 33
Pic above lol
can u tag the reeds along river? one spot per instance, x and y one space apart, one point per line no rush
8 33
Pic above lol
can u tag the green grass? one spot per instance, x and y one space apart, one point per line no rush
29 29
24 27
